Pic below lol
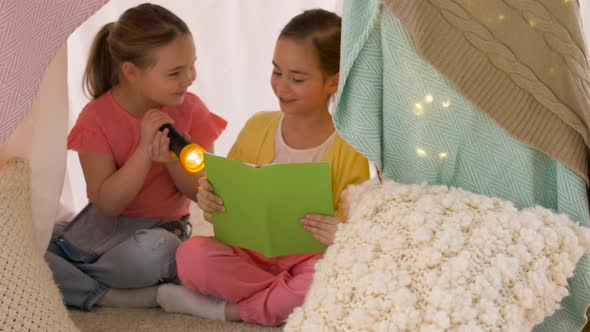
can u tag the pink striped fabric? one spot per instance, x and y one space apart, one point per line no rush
31 33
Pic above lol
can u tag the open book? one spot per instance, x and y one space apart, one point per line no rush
263 205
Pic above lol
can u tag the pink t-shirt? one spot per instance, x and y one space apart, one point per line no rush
103 127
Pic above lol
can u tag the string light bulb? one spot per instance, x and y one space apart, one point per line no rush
418 109
532 24
421 152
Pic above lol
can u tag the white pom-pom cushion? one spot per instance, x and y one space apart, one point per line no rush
433 258
29 299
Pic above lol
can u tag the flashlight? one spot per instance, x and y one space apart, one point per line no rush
190 154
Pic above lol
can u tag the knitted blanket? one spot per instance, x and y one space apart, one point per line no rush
538 90
29 298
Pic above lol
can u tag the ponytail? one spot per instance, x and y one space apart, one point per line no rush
100 74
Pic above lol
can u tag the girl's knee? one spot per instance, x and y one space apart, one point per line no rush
193 256
197 248
156 251
158 242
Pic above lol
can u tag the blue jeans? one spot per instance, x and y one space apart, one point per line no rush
147 257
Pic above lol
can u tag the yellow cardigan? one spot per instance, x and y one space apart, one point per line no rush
256 145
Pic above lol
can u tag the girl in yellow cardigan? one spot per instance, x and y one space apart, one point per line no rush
241 284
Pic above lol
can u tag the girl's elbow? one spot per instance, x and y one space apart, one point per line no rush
108 212
111 213
107 209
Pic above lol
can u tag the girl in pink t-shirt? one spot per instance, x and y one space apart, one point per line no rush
123 244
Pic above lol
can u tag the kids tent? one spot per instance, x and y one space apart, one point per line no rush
34 104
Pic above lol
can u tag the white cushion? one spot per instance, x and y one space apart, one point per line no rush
431 258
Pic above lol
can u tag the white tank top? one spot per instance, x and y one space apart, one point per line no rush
286 154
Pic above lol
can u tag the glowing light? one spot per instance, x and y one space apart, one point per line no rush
194 159
446 103
418 109
429 99
421 152
566 2
501 17
532 23
443 155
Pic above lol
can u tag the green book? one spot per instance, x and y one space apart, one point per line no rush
264 205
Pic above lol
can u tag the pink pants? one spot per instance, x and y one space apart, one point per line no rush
265 289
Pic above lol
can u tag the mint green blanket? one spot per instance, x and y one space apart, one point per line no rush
399 112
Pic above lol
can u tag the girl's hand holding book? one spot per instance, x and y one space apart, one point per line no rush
322 228
207 200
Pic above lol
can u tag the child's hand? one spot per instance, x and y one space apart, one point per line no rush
160 151
323 228
207 200
152 139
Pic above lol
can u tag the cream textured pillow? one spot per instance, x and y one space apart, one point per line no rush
433 258
29 298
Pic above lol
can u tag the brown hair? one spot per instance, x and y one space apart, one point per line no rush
139 30
322 28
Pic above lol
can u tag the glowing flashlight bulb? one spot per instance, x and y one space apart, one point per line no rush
194 158
190 155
